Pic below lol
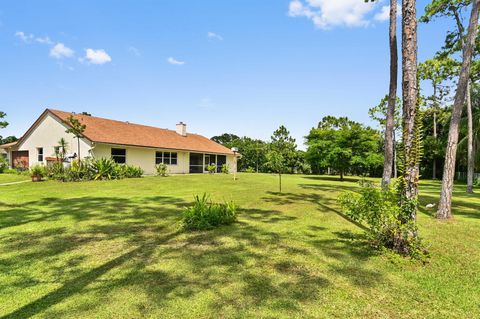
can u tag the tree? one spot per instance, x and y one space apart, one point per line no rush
343 145
276 162
389 147
62 146
437 71
445 206
3 124
282 152
226 139
379 114
411 146
455 42
77 129
253 151
8 139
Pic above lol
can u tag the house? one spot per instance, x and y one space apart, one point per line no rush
124 142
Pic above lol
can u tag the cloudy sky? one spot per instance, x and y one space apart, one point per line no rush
238 66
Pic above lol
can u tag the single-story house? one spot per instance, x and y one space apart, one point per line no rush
124 142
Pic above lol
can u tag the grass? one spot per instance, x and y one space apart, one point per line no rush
114 250
10 178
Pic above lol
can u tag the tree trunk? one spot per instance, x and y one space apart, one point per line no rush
471 153
341 175
280 181
445 205
395 170
434 166
392 97
410 94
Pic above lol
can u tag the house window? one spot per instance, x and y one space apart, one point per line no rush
119 155
40 154
169 158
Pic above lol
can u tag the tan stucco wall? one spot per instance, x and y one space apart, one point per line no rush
46 135
145 158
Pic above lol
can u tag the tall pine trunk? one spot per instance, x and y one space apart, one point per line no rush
435 107
392 97
471 153
445 206
409 94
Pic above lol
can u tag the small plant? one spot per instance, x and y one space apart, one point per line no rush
225 169
37 172
3 164
212 168
161 169
204 214
250 170
379 209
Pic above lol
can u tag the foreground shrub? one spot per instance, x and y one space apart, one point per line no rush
204 214
380 210
161 169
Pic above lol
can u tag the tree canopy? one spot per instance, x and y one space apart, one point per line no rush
344 146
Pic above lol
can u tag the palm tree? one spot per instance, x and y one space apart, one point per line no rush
62 147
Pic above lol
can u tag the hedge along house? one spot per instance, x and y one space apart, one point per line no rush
124 142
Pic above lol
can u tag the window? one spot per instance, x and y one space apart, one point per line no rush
40 154
119 155
169 158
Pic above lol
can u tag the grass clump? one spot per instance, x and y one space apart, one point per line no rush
204 214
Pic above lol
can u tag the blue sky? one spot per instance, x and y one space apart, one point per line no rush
238 66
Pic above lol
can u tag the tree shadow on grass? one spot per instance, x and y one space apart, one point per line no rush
325 204
135 238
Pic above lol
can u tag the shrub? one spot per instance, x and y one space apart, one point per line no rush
38 171
130 171
204 214
212 168
3 164
250 170
161 169
225 169
380 210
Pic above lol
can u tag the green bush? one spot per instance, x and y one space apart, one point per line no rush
225 169
380 210
38 171
250 170
212 168
204 214
3 164
161 169
94 169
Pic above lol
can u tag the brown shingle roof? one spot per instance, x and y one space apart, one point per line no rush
8 145
100 130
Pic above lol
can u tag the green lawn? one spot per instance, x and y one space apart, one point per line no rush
114 250
10 178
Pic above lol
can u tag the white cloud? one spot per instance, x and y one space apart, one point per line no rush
326 14
175 62
60 51
27 38
44 40
384 14
96 56
213 35
134 51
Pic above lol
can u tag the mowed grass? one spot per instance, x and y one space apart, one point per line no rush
11 178
114 250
